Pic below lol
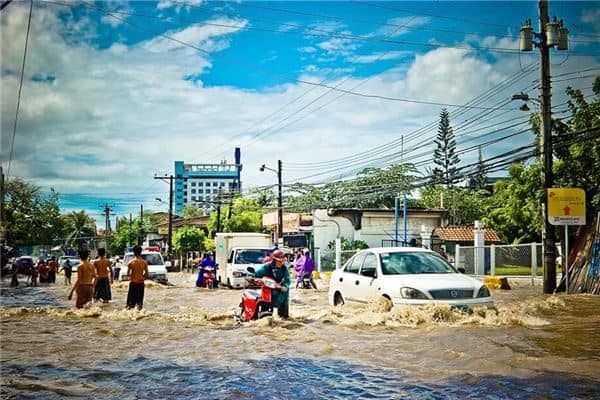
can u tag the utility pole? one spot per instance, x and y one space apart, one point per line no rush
141 227
279 202
130 229
546 134
106 211
170 234
552 34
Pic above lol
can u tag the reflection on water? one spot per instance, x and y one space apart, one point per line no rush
186 344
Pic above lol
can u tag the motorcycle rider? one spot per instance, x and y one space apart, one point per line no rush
207 263
277 270
304 268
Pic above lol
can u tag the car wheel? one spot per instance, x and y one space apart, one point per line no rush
338 300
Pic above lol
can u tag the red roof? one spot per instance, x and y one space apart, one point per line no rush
465 234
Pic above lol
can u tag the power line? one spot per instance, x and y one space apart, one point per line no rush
12 146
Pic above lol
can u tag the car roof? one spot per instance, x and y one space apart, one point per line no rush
380 250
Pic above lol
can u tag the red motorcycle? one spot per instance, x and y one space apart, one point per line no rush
256 302
208 277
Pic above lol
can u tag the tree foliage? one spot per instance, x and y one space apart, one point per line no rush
373 187
444 156
79 228
464 206
246 216
191 211
31 216
188 238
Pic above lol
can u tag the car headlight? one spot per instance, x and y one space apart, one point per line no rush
483 292
410 293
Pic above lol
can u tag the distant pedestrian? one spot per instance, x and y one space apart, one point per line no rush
86 277
52 270
14 281
34 275
43 271
117 268
68 270
137 270
104 279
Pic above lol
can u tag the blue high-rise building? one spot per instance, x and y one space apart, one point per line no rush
202 184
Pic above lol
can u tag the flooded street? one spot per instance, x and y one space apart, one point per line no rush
186 344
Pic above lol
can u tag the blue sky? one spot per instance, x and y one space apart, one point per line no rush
116 91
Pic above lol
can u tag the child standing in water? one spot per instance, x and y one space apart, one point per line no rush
137 269
84 285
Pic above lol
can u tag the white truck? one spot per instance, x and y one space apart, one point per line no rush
236 251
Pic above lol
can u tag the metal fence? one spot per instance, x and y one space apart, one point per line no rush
326 258
517 259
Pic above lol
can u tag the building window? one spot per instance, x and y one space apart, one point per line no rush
193 183
193 191
215 184
201 184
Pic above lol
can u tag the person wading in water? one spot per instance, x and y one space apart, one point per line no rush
84 285
137 269
105 277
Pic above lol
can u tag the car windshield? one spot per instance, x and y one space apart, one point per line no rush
151 259
253 256
404 263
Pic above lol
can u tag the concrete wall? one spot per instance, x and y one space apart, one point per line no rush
326 228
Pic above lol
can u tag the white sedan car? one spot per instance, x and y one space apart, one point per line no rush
406 276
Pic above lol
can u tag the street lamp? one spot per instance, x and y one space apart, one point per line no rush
279 197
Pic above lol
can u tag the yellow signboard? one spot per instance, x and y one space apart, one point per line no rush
566 206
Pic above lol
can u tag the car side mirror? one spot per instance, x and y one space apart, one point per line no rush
251 270
461 270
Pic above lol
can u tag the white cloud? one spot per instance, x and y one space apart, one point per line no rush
307 49
163 4
379 56
399 26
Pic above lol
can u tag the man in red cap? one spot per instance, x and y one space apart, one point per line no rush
277 270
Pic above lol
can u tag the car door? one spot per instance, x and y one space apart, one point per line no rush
366 283
347 279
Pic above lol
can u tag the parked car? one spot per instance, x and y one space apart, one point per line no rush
24 264
157 268
406 276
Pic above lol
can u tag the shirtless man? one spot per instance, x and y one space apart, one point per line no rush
86 277
137 269
104 273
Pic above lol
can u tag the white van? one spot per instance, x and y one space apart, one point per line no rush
157 267
238 261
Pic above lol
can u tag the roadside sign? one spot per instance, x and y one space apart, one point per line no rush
566 206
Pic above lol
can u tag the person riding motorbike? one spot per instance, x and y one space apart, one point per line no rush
277 270
304 268
207 264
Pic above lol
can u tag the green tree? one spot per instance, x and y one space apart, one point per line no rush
191 211
444 156
464 206
188 238
31 216
514 211
578 157
246 216
80 227
478 180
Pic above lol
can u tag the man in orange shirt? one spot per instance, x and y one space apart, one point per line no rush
52 270
104 272
84 285
137 269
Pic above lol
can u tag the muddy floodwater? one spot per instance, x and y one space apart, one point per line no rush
186 344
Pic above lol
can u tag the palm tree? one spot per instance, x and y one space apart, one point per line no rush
79 227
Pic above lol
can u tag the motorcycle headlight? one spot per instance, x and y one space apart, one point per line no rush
410 293
483 292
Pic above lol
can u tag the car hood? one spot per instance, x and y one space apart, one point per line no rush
426 282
